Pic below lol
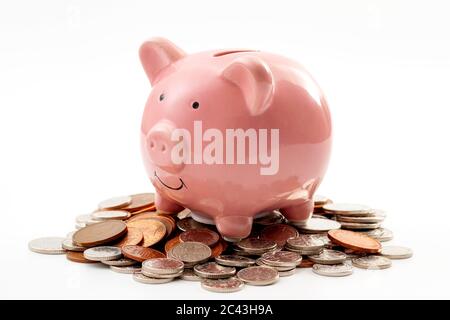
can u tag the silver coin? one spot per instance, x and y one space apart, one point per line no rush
213 270
70 234
316 225
184 214
161 276
255 245
79 226
139 277
163 266
258 276
308 242
320 200
346 208
335 270
115 202
69 245
82 218
189 275
48 245
282 259
110 215
102 253
372 262
305 252
92 221
275 217
261 262
287 273
368 219
127 269
122 262
359 226
318 216
234 261
190 252
381 234
232 284
396 252
190 224
329 257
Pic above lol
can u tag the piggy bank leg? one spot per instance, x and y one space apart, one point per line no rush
299 213
165 205
234 228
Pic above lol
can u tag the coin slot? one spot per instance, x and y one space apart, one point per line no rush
226 52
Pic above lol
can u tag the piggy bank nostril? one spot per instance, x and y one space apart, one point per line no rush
152 145
163 148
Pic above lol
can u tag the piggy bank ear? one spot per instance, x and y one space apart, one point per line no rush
254 79
156 54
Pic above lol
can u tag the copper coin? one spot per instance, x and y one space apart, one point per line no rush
139 201
150 208
171 243
205 236
100 233
141 254
78 257
354 240
168 221
133 237
153 230
278 233
142 216
220 247
306 263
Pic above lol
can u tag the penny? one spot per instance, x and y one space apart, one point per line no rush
220 247
48 245
306 263
189 275
191 252
287 273
213 270
258 275
103 253
69 245
205 236
133 237
234 261
171 243
232 284
282 259
163 265
355 241
76 256
381 234
152 230
122 262
346 208
83 218
335 270
255 245
100 233
317 225
274 217
142 216
372 262
279 233
110 215
126 269
141 254
139 201
139 277
114 203
328 257
359 226
396 252
308 242
168 222
190 224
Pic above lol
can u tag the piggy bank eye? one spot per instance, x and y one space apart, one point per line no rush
195 105
161 97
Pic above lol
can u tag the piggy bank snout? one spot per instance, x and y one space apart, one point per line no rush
160 146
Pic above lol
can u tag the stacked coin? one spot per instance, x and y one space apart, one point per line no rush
130 236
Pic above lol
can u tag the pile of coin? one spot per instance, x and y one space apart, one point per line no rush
129 235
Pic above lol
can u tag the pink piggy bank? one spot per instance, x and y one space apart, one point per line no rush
233 135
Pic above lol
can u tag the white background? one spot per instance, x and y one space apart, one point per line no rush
72 92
